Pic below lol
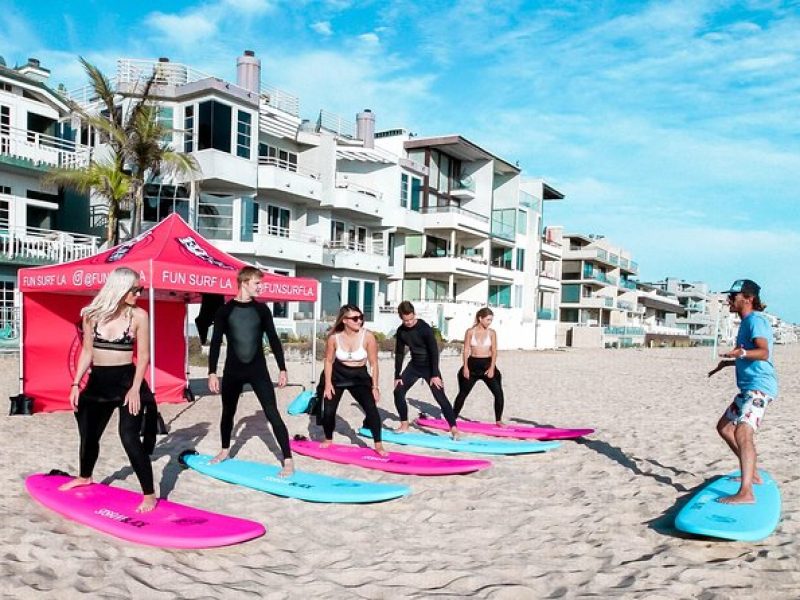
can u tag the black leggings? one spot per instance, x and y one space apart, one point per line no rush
477 372
409 377
363 395
233 381
104 393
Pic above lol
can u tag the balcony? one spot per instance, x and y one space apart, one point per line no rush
546 314
404 220
619 330
549 281
34 246
223 171
628 285
455 217
287 181
287 244
460 266
369 256
589 254
31 149
503 231
599 276
591 302
551 250
355 200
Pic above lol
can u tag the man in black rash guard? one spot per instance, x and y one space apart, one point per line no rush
418 336
244 321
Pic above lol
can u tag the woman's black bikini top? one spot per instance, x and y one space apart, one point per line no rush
123 343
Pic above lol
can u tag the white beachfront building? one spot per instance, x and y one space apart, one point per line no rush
376 217
599 300
39 224
698 321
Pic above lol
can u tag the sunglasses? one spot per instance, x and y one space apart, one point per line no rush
136 290
732 297
355 319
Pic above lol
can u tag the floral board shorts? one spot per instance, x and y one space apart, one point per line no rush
748 407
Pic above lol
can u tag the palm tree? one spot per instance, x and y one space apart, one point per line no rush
136 145
104 178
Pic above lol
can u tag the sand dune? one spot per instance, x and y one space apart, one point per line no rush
591 518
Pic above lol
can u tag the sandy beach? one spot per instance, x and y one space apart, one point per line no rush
593 518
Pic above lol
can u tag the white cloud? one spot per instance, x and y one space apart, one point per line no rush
249 7
322 28
183 30
370 39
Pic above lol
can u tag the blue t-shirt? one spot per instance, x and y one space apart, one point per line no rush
756 375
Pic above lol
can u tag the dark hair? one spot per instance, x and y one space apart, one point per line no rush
248 273
405 308
757 304
338 325
483 312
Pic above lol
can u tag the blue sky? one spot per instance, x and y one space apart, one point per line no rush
673 128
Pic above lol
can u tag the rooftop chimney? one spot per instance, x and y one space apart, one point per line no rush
365 128
34 70
248 72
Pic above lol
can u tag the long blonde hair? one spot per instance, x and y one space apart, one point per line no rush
107 302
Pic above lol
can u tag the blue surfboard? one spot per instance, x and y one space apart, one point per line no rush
703 515
477 446
302 484
300 404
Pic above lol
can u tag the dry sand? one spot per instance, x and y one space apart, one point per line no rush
592 518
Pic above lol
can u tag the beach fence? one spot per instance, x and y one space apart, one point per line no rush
9 328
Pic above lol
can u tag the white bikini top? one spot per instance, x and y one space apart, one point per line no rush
487 341
357 355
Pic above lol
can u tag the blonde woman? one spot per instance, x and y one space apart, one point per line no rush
348 350
112 326
479 363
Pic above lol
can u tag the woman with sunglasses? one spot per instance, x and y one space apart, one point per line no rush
348 350
112 325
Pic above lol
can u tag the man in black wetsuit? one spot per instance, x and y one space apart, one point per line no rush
244 321
418 336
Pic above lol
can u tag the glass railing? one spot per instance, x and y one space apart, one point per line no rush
503 230
634 266
613 259
628 285
546 314
620 330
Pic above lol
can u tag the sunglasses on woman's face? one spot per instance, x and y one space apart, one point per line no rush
355 319
137 290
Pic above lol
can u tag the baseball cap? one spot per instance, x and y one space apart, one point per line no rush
745 286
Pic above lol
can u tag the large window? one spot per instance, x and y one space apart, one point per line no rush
162 200
278 157
188 128
337 232
215 216
278 219
522 222
404 191
436 290
500 295
501 257
369 301
164 117
243 134
214 126
571 293
410 192
520 259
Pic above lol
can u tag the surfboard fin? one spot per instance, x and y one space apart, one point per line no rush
182 457
58 472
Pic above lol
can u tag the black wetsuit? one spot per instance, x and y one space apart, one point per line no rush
477 372
244 325
105 392
424 364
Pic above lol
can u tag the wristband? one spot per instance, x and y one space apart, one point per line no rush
744 353
76 385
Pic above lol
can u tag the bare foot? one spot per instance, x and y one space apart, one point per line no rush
379 449
73 483
455 434
756 479
288 468
222 455
403 427
738 498
149 502
326 444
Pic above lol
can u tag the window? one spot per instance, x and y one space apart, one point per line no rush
9 315
214 126
5 87
416 193
278 219
522 222
570 293
353 291
500 295
501 257
280 310
520 259
5 129
5 207
390 248
283 159
369 301
518 290
164 117
435 290
243 134
411 289
188 129
215 216
255 218
337 232
162 200
404 190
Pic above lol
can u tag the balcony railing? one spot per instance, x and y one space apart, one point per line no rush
546 314
291 234
628 285
619 330
42 149
335 124
271 161
367 247
281 100
454 209
503 230
343 183
32 245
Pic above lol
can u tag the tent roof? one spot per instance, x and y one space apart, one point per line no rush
171 258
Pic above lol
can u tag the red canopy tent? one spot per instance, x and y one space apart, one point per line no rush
176 265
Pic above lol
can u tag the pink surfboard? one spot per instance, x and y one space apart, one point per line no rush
112 510
395 462
521 432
